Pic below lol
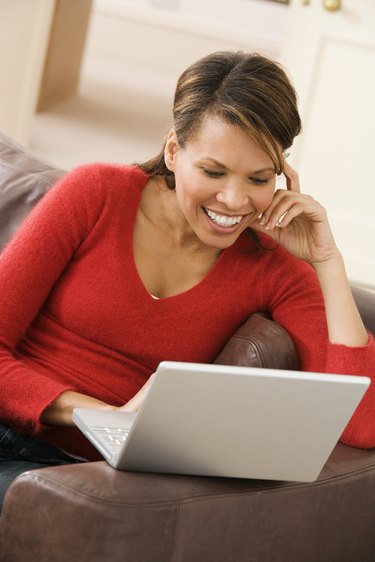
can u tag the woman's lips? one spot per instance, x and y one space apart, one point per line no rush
224 221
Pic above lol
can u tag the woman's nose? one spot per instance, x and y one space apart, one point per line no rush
234 198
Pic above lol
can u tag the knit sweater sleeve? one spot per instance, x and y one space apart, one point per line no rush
30 266
294 297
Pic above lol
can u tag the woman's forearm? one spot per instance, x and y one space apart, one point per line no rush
60 411
344 322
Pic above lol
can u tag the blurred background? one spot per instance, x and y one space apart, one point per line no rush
86 80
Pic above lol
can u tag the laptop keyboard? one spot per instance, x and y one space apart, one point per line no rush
114 437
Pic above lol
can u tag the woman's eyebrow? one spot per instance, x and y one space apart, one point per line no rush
270 169
215 162
219 164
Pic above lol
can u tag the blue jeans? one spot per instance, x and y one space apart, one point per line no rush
19 453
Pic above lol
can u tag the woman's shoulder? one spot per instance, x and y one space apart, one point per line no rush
88 189
101 182
108 174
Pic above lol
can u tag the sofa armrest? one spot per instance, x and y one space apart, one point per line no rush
260 342
93 512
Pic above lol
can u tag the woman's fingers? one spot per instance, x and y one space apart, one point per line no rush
135 403
285 206
292 178
280 207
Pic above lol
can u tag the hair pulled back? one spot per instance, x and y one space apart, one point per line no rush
244 89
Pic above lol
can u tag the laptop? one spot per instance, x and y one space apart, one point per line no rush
228 421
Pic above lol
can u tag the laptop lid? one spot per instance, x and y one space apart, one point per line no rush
232 421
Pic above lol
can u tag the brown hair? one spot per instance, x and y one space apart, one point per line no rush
244 89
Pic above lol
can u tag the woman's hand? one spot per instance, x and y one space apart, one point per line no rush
135 403
299 223
60 411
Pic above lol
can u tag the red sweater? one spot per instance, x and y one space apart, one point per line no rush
75 315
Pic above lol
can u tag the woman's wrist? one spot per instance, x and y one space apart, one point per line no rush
334 265
60 411
344 322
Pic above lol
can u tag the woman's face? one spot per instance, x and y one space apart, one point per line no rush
223 181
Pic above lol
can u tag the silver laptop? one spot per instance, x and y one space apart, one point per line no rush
241 422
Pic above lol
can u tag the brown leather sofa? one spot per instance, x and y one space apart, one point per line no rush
90 512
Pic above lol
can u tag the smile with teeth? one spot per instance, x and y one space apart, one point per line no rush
222 220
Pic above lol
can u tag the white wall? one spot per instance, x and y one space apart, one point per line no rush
154 45
255 24
257 18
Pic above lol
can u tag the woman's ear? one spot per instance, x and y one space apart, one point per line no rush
171 149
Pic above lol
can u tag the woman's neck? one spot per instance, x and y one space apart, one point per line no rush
160 209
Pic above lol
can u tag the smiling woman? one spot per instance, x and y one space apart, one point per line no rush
234 116
79 322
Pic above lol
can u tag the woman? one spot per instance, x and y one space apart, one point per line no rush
120 267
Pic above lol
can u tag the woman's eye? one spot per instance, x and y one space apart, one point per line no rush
259 181
212 173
